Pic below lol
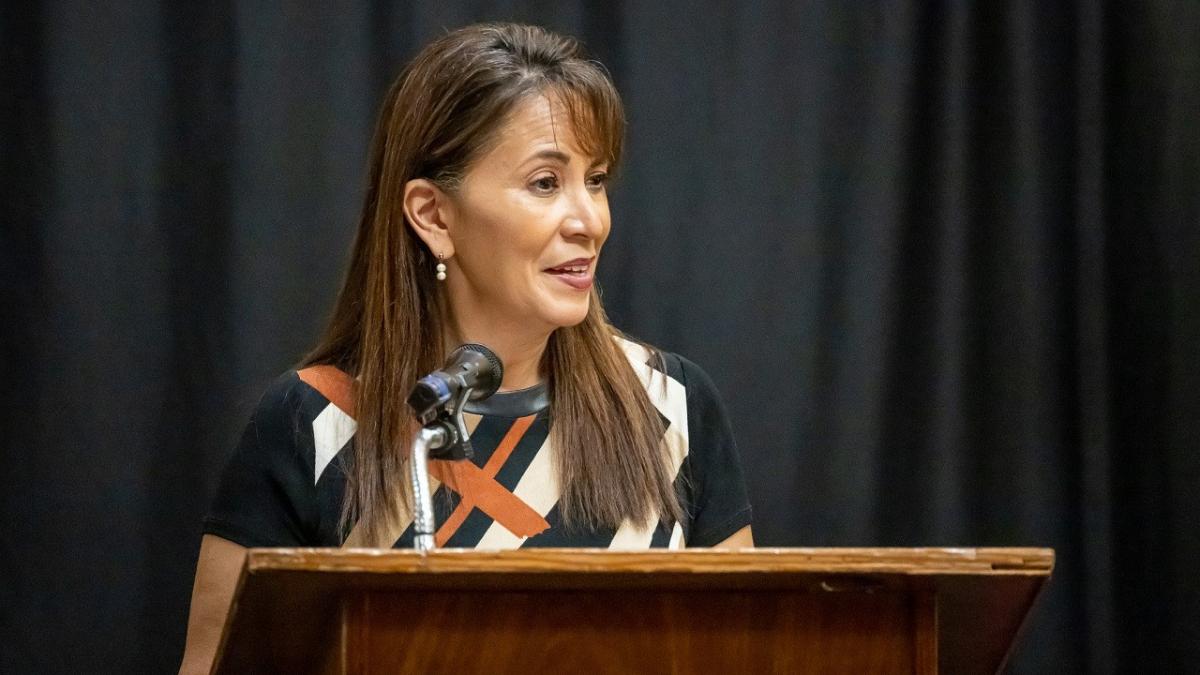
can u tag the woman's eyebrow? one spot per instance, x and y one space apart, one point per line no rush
550 154
559 156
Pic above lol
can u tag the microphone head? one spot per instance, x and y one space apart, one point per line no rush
487 375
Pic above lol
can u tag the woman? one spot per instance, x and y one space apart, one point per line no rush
484 220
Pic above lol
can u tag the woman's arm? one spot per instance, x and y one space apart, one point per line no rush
740 539
216 580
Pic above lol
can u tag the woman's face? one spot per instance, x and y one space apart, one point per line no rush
527 225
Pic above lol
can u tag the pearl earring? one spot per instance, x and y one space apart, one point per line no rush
441 269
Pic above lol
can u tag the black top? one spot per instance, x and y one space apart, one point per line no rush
284 483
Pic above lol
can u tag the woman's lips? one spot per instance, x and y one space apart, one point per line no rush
577 274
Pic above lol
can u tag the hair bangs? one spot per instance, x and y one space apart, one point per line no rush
595 114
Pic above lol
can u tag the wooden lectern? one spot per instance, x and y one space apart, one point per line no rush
586 611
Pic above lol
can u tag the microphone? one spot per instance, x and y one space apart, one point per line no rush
472 373
470 367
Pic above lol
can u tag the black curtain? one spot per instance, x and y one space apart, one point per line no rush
943 260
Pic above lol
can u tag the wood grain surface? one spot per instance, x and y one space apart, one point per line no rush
923 561
644 633
557 610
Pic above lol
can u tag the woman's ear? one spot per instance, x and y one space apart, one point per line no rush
427 209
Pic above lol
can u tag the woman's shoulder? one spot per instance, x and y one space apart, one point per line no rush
275 488
305 393
675 367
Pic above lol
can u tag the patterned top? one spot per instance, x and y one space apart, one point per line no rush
284 483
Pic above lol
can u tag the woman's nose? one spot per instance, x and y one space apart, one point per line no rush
586 217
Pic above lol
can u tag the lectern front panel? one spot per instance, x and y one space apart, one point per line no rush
628 631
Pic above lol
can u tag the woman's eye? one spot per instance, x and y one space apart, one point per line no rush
598 179
545 184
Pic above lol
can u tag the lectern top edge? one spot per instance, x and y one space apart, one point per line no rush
926 561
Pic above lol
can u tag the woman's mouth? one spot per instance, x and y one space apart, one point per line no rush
575 273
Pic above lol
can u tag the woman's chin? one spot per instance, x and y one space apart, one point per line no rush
564 315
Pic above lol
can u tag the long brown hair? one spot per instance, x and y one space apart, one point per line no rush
387 326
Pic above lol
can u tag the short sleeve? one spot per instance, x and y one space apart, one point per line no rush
264 496
720 505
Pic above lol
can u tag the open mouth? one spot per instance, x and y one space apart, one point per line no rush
581 269
575 273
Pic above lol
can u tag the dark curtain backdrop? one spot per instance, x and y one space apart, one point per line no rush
942 259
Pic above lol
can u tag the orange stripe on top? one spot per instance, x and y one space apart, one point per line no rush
481 490
508 444
478 488
333 384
